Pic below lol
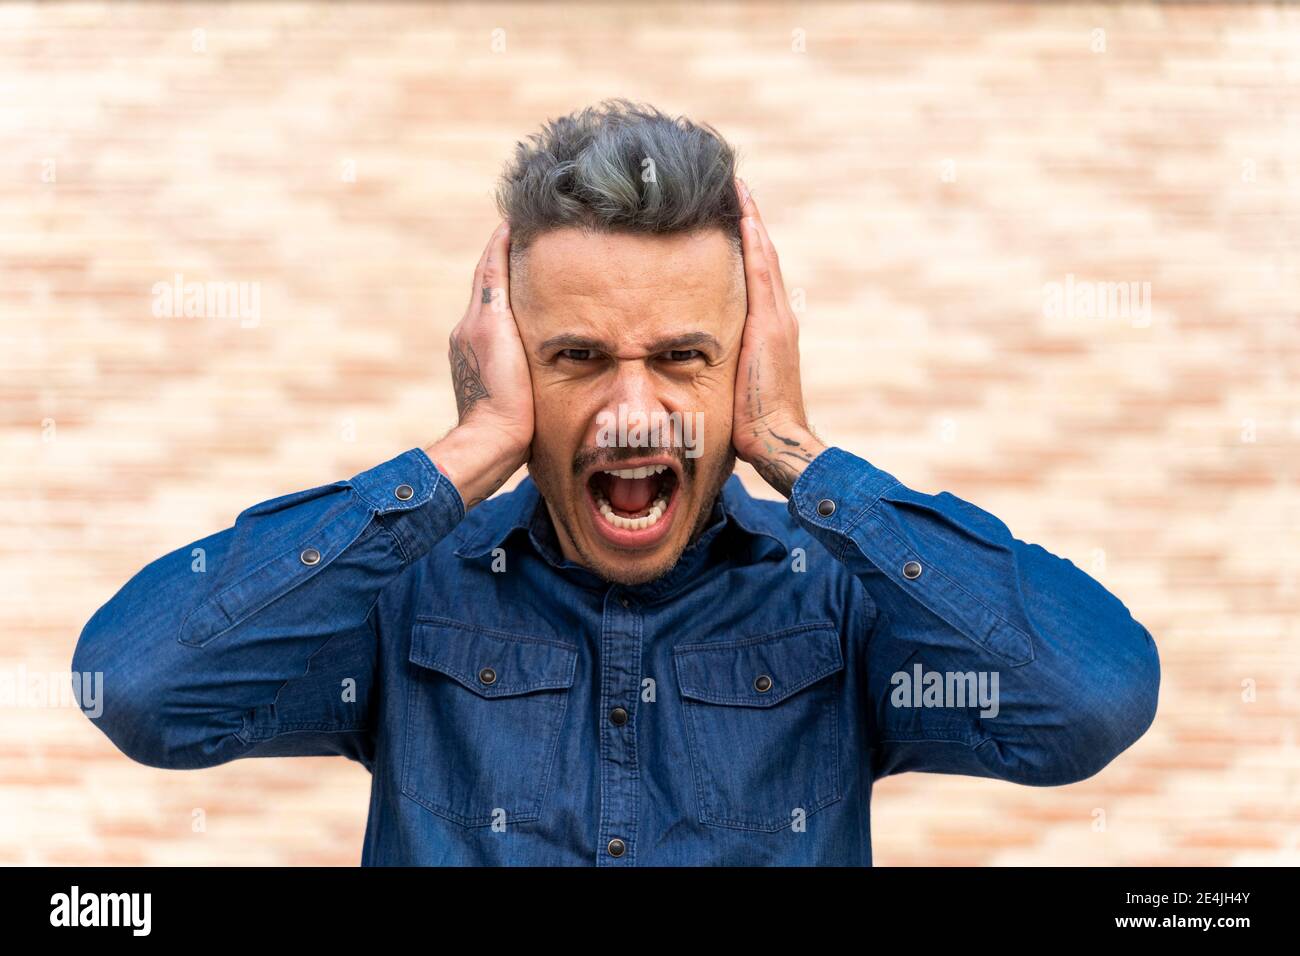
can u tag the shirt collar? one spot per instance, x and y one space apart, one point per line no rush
735 513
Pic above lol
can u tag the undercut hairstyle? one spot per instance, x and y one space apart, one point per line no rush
620 167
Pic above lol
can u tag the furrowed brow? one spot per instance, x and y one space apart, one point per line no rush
690 340
570 341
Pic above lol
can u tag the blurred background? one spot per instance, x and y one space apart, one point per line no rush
1045 258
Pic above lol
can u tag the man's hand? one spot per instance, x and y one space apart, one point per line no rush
770 429
494 392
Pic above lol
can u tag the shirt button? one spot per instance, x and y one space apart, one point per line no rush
618 716
487 675
625 602
310 556
826 507
616 847
912 570
404 492
762 683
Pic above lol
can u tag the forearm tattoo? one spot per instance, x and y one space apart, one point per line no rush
777 470
783 459
488 493
466 377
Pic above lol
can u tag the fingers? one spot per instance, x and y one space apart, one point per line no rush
773 260
493 272
494 286
477 282
767 264
759 282
747 207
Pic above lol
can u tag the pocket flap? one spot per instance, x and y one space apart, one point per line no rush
733 672
518 664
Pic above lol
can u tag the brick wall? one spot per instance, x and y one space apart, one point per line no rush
927 170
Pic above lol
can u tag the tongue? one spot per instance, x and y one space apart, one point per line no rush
632 494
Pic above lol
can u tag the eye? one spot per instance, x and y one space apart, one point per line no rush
574 355
684 355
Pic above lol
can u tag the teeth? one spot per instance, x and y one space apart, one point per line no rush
657 509
643 472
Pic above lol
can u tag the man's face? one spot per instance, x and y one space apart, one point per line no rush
631 340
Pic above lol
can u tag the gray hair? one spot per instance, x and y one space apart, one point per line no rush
620 167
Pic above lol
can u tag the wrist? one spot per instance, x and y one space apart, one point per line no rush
780 454
476 462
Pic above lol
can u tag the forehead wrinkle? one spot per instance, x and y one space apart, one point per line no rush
652 301
614 267
612 293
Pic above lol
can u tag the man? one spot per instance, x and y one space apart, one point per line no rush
627 660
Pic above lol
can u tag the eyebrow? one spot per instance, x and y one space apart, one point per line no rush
689 340
570 341
669 344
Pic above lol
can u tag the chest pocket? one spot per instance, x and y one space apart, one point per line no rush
762 725
484 711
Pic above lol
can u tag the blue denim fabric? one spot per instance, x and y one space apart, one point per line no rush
474 671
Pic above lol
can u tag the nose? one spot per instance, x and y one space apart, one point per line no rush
633 402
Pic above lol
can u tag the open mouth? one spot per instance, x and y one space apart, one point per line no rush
633 505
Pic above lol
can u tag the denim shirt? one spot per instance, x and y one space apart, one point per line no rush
514 708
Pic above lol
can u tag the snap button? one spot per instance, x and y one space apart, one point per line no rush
618 716
625 602
826 507
487 675
616 847
762 683
404 492
912 570
310 556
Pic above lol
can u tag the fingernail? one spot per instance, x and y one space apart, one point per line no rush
744 191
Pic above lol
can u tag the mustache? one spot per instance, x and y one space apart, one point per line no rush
592 457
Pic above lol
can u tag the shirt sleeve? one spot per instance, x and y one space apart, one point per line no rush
259 640
988 656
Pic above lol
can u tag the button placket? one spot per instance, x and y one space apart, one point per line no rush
620 684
